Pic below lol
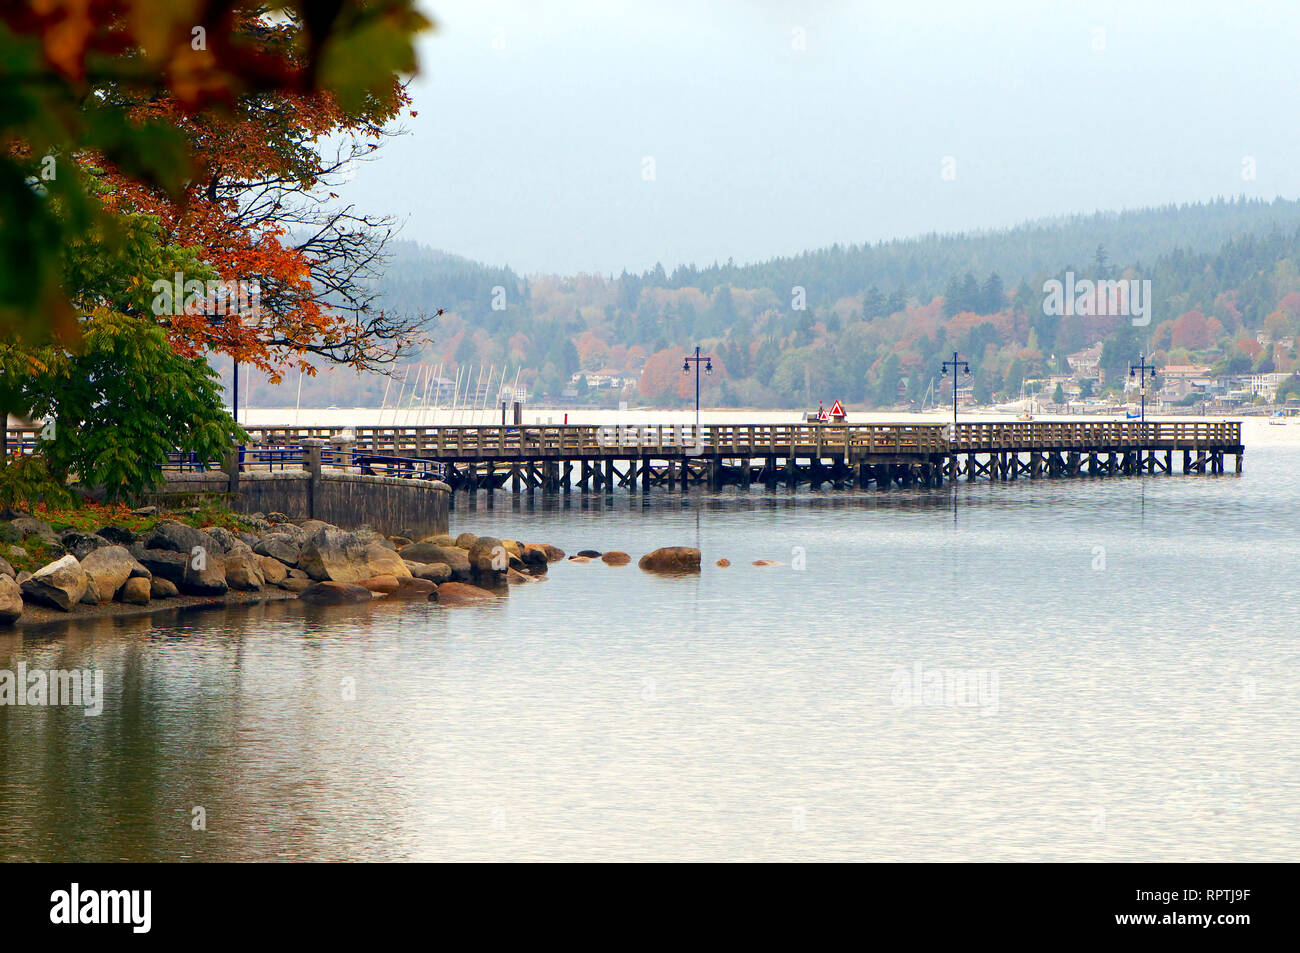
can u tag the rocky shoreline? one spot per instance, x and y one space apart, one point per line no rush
171 564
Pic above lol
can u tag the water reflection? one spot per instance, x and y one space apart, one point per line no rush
1145 708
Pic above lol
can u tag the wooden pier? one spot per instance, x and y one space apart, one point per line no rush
557 459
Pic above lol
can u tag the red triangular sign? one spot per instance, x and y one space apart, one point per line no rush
822 416
837 409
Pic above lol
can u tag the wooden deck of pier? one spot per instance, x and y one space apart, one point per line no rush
556 459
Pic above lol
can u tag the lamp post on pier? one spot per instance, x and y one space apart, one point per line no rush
1141 370
956 365
697 360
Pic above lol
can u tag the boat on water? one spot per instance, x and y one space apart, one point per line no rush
1278 419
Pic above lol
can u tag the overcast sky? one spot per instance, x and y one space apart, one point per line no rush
537 119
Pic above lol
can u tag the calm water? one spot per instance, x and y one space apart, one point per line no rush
1134 639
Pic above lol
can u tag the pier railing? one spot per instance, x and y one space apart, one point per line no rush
274 446
1098 434
576 440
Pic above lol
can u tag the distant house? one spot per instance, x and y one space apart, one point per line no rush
1179 380
1264 385
607 378
1086 363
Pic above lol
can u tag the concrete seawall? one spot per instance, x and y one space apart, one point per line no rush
390 505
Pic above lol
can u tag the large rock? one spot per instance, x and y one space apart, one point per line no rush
457 593
244 570
179 538
5 568
415 588
91 596
384 584
489 561
434 572
338 556
110 567
615 558
295 584
25 526
136 591
455 558
331 593
533 558
61 584
160 588
281 546
118 535
11 601
161 563
465 540
206 578
552 553
82 544
672 559
292 530
228 541
273 571
197 575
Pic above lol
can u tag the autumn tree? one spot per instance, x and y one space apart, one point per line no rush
147 139
148 93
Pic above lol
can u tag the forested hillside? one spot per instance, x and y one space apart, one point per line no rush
868 324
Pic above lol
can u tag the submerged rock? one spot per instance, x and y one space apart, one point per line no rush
329 593
385 584
489 561
615 558
671 559
551 553
457 593
414 588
